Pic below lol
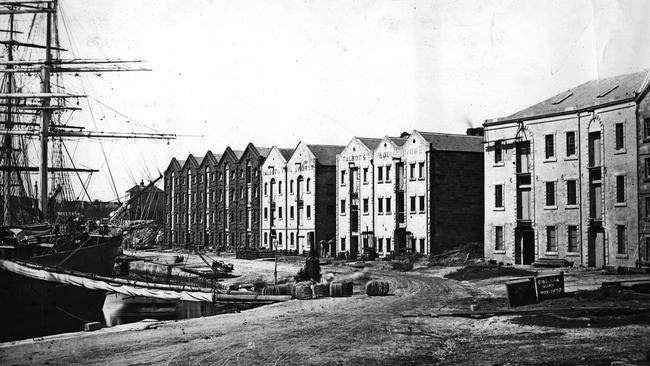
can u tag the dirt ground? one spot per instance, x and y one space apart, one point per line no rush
398 329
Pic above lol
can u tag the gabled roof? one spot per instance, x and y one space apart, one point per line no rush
399 141
210 158
261 151
370 142
235 155
452 142
192 160
592 94
286 153
326 154
174 164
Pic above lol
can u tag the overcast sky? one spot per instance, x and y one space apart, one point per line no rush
277 72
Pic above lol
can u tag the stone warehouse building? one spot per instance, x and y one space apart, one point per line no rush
569 177
420 192
299 196
311 195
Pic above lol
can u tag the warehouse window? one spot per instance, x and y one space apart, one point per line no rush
380 245
380 206
365 205
570 143
498 152
498 238
280 212
421 199
412 171
380 174
365 175
308 212
342 177
342 244
413 208
308 185
549 146
620 189
551 239
291 212
387 178
550 193
620 239
571 197
421 171
646 127
573 238
291 187
388 205
498 196
342 211
388 244
620 139
647 168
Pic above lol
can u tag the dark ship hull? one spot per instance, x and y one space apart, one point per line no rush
32 308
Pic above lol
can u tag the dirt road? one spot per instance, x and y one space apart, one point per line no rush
356 330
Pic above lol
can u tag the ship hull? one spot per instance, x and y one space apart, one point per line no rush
33 308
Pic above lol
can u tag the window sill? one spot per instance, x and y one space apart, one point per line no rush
380 213
550 160
646 139
552 254
421 212
620 204
499 164
622 256
571 158
365 214
341 214
499 209
387 181
620 151
421 178
572 254
571 207
498 252
550 207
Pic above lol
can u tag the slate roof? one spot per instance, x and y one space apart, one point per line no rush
326 154
451 142
238 153
594 93
263 151
370 142
286 153
399 141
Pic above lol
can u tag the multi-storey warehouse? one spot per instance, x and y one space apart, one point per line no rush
298 202
569 178
421 192
275 199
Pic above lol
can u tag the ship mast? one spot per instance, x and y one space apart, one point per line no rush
46 115
8 143
16 102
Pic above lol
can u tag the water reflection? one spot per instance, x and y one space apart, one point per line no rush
122 309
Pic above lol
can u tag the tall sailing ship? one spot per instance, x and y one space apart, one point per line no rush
40 223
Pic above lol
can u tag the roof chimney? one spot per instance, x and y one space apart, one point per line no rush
475 131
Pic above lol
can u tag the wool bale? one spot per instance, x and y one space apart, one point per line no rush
303 291
321 290
377 288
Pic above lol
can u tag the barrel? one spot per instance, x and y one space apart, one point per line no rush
377 288
291 290
322 290
303 291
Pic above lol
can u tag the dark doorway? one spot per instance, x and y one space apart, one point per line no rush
596 248
354 246
525 246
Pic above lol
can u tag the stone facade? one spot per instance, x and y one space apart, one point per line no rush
274 199
421 192
311 197
567 185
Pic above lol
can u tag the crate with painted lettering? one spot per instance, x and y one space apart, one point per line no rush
549 286
521 292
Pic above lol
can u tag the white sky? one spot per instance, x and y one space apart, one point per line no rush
277 72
